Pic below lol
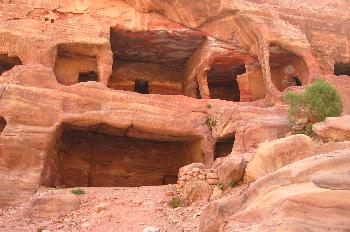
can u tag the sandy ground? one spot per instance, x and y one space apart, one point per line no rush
123 209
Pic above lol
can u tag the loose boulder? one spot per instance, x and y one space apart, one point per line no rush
196 190
335 128
271 156
309 195
231 170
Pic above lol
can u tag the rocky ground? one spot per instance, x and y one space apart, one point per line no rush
109 209
289 184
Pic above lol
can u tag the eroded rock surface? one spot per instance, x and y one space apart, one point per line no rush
288 199
92 108
123 93
271 156
337 129
45 206
196 191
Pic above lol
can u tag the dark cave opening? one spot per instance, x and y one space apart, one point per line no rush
141 86
7 63
103 157
222 82
297 81
72 66
155 56
341 69
87 76
3 124
223 147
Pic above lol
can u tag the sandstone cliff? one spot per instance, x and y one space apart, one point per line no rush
124 93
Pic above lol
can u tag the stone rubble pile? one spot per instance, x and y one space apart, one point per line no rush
211 176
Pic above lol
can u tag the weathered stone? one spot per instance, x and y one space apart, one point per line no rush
334 128
334 181
190 167
213 181
212 176
46 207
101 207
203 172
196 191
271 156
151 229
282 193
231 170
217 194
233 50
194 174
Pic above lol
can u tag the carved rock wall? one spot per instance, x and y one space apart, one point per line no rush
199 41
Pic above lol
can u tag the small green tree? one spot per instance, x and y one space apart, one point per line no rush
318 101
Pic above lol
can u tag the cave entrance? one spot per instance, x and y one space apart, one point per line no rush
73 66
223 147
156 56
3 124
297 81
141 86
7 63
287 69
222 81
341 69
101 156
88 76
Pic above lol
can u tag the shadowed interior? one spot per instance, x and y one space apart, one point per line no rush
222 82
342 69
98 158
7 63
88 76
71 66
287 69
157 57
3 124
223 147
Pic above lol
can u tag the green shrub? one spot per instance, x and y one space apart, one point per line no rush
210 122
220 186
319 101
233 184
175 202
78 191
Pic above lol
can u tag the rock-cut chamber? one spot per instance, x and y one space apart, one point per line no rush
95 157
72 65
3 124
341 69
7 63
223 147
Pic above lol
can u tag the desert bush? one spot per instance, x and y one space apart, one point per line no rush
175 202
78 191
220 186
210 122
318 101
233 184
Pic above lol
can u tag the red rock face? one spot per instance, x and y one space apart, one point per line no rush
80 64
156 134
